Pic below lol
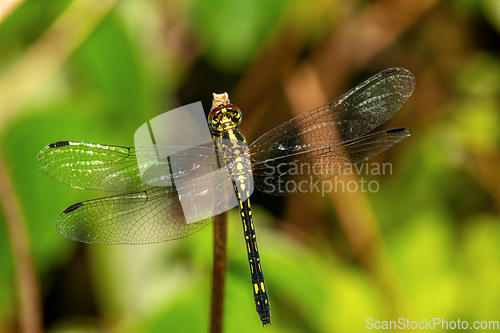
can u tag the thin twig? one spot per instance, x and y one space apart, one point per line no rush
29 305
219 273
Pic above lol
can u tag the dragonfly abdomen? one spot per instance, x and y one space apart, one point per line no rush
260 296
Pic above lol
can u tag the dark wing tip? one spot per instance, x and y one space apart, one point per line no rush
391 71
73 208
398 71
59 144
394 70
42 154
399 129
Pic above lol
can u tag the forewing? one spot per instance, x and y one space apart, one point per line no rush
352 115
118 169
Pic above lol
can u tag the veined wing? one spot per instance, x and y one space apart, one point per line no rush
353 114
298 172
155 215
118 169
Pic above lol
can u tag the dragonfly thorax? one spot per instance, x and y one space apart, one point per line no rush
224 117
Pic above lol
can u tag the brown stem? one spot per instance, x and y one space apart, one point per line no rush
29 305
218 273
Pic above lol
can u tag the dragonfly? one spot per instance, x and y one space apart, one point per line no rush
290 159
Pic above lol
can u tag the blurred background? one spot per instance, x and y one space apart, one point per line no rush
425 245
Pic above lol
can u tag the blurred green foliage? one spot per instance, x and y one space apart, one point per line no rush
437 212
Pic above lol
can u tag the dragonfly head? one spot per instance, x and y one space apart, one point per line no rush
223 115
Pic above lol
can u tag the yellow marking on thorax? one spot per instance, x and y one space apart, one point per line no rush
232 136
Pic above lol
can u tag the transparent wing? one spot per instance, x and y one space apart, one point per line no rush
353 114
298 172
155 215
123 169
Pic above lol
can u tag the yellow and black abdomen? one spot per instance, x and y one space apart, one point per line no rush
237 159
259 287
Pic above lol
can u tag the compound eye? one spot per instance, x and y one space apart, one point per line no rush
234 113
